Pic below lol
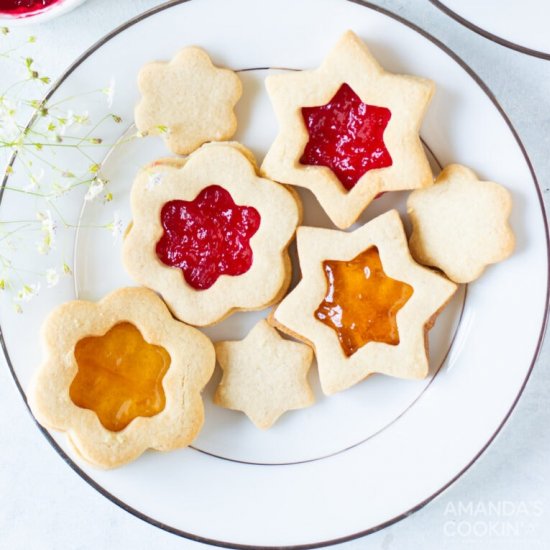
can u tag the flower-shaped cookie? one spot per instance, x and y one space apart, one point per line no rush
348 130
363 303
460 225
121 376
264 375
188 100
210 235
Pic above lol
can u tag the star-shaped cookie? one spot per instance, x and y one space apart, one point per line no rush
460 225
188 101
376 281
264 375
348 130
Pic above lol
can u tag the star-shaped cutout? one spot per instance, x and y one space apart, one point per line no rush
264 375
362 302
347 136
189 101
460 224
406 98
208 236
296 313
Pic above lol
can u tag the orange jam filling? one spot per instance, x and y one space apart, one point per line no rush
119 376
362 302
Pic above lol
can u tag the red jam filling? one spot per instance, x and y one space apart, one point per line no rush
346 135
207 237
24 7
362 302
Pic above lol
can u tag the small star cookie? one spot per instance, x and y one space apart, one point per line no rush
121 376
348 130
210 235
363 303
264 375
187 100
460 225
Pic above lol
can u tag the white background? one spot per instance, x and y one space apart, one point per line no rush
44 505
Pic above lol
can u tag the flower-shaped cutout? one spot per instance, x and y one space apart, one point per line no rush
264 375
373 141
460 225
188 100
296 314
215 166
208 236
121 376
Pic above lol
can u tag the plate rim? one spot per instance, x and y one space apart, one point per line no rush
224 544
489 35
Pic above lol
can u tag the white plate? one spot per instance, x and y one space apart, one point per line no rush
522 26
369 456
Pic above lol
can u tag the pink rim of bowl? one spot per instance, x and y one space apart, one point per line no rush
39 16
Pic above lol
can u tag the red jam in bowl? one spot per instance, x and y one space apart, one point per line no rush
346 135
23 8
207 237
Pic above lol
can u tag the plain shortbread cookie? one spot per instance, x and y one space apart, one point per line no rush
188 101
264 375
460 225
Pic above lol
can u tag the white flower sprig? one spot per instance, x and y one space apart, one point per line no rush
55 125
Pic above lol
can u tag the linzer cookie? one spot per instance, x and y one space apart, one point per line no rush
363 303
348 130
264 375
210 235
460 225
121 376
188 101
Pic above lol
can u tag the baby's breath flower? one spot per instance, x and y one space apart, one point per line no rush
34 180
9 130
58 189
95 189
52 277
66 269
82 119
115 227
48 228
110 92
27 292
